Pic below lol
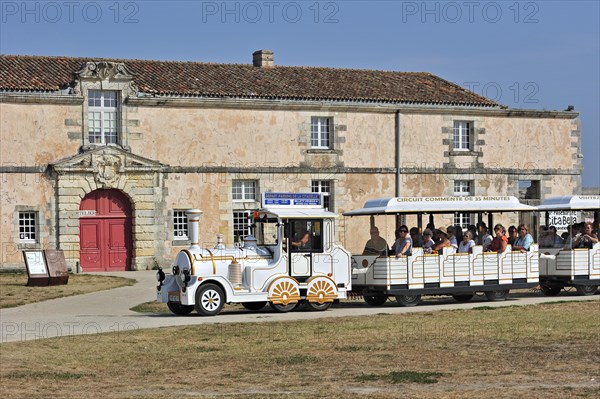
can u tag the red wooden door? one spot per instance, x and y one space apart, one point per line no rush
105 231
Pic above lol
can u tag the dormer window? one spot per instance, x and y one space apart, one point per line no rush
103 117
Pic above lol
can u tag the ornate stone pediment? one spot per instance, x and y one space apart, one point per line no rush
105 75
107 164
105 70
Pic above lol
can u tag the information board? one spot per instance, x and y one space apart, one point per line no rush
57 267
37 269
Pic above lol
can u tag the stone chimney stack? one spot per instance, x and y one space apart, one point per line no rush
262 58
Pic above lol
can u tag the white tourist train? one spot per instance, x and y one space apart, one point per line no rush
461 275
291 258
561 265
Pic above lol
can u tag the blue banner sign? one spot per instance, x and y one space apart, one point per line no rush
292 199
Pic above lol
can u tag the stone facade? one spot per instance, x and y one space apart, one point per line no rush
177 153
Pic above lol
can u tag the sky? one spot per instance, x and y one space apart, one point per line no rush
522 54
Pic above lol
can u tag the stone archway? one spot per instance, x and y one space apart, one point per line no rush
110 169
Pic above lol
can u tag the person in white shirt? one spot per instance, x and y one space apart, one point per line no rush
427 241
404 243
467 243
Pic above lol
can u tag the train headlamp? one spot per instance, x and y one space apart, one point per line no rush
160 275
185 278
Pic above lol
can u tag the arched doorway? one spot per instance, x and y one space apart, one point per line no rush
105 239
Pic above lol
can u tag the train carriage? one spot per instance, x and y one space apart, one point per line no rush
448 273
562 266
291 258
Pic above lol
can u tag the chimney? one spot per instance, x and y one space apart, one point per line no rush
262 58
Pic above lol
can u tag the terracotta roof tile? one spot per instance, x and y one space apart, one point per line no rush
38 73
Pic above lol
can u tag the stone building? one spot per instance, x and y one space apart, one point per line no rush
101 157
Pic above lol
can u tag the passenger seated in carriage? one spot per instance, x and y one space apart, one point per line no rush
558 241
442 240
467 243
458 232
586 239
376 244
416 236
428 242
500 241
483 236
524 241
513 234
572 232
546 239
452 236
404 244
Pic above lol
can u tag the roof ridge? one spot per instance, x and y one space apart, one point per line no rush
33 56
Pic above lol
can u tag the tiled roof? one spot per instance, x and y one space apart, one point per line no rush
38 73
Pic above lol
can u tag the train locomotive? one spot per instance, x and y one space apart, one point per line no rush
291 258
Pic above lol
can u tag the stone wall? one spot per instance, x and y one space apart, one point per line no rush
180 157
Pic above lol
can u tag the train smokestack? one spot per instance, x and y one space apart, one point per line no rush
193 216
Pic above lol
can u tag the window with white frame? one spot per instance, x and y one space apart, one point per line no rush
243 190
103 111
320 132
180 225
241 225
27 227
463 136
323 187
463 188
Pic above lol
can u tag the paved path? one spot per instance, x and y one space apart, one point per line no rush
108 311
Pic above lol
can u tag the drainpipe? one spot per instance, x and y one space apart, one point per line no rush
397 134
402 219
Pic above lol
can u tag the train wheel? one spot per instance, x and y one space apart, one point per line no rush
209 300
375 300
462 297
319 306
408 300
586 289
284 308
254 305
321 290
179 309
495 296
284 294
550 290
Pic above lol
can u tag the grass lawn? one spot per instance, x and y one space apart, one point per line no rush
538 351
14 292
